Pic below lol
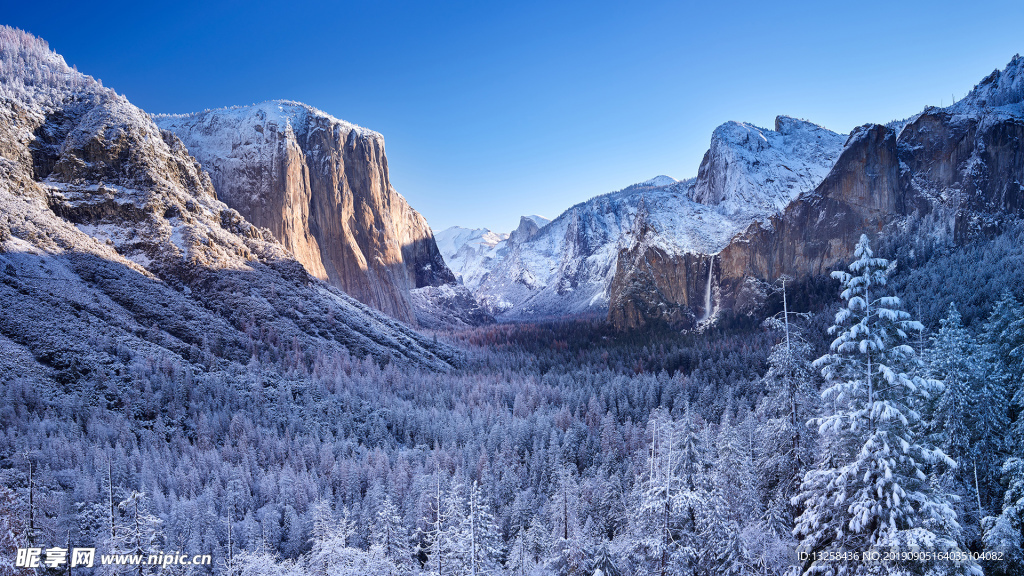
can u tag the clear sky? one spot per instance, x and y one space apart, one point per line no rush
491 110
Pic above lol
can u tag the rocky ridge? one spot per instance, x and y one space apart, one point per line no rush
569 266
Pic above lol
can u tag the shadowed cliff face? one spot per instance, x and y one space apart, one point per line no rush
962 167
321 187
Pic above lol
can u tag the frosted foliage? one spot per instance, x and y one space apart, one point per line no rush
171 378
30 71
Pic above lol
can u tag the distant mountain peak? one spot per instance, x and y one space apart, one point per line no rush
660 180
280 112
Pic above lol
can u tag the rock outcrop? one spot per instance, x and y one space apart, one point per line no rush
750 169
321 186
960 169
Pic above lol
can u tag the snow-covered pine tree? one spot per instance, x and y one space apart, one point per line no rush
12 531
604 565
790 401
434 536
389 536
137 532
568 553
480 535
333 553
521 560
1004 342
1004 533
330 537
870 490
668 498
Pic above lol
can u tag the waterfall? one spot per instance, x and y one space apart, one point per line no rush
707 291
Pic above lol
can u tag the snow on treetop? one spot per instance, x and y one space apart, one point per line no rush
1000 88
32 73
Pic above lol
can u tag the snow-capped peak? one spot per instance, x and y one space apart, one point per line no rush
540 221
469 251
283 113
752 169
659 181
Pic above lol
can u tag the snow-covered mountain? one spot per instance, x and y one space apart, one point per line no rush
469 252
952 173
321 186
567 266
751 169
114 247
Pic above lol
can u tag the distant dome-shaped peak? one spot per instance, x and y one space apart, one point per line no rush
660 180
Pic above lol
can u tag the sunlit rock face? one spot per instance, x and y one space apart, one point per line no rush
321 186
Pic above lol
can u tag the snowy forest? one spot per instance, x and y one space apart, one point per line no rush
875 413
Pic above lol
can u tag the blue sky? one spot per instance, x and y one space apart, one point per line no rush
496 109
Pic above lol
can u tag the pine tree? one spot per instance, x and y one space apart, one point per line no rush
603 564
521 561
12 531
388 534
568 552
790 401
669 498
330 536
434 537
1003 340
1004 534
870 491
480 536
137 531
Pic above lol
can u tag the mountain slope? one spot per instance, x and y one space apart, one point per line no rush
321 186
114 247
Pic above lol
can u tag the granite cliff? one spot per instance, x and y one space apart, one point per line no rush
568 266
321 186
